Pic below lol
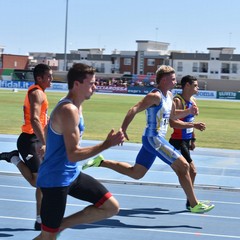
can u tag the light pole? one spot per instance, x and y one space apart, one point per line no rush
65 45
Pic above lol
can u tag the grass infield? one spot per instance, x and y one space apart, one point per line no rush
104 112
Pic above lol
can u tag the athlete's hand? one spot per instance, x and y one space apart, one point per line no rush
114 138
192 145
41 150
200 126
194 110
125 135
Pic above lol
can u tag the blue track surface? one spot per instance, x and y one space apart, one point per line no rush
151 208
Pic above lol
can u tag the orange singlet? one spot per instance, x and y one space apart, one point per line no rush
27 126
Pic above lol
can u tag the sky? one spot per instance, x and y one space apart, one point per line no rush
187 25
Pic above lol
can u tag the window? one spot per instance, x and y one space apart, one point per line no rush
203 67
166 62
102 68
195 67
127 61
151 62
234 68
179 66
225 68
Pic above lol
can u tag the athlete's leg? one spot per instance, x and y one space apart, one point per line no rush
27 146
184 148
91 214
103 206
52 211
143 162
167 153
38 201
136 171
46 236
193 172
14 158
27 174
181 168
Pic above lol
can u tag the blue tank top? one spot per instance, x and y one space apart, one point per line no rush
157 117
56 170
186 133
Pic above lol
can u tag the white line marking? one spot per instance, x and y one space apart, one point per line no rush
84 205
197 234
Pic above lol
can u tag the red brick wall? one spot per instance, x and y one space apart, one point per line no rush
14 61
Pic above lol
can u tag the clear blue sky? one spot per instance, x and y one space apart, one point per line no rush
188 25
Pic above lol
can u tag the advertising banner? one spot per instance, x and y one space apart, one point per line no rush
238 95
59 86
111 89
27 84
122 89
201 94
15 84
138 90
227 95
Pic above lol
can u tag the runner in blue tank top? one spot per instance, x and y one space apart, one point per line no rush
159 109
183 137
56 164
59 174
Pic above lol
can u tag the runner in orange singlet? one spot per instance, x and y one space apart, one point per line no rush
31 142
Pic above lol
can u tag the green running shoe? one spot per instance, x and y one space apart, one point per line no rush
201 208
95 162
206 202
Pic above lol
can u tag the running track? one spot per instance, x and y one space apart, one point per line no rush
152 208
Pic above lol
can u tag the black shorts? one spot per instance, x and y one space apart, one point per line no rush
27 146
183 145
54 200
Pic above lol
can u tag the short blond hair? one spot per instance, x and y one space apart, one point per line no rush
162 71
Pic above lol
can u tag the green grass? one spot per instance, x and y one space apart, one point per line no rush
104 112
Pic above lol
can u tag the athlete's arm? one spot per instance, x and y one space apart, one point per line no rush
177 123
36 99
180 113
192 142
183 125
66 121
149 100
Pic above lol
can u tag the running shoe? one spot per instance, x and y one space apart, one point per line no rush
95 162
201 208
206 202
8 155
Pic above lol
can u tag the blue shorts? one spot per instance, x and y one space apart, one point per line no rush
156 147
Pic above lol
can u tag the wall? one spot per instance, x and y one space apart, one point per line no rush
222 85
14 61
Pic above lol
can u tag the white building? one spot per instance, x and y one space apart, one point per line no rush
219 64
